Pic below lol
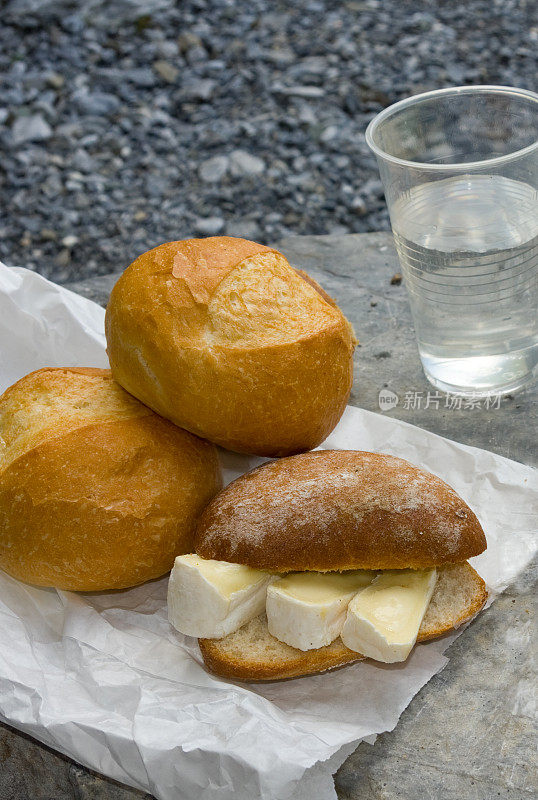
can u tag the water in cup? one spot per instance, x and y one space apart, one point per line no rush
468 246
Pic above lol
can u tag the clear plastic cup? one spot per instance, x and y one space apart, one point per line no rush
460 172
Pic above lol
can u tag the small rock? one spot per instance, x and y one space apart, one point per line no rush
196 54
166 71
55 80
359 206
280 56
243 164
248 229
188 40
329 133
98 103
199 90
70 241
45 103
168 49
372 188
29 224
48 235
83 161
81 200
74 23
306 114
214 169
30 129
209 226
311 65
157 185
141 76
301 91
52 186
63 258
301 179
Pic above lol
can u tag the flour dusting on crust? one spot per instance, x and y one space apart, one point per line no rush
335 510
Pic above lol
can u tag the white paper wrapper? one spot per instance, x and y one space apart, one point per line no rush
105 679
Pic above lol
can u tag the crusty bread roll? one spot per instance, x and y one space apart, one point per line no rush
96 491
224 338
252 654
339 510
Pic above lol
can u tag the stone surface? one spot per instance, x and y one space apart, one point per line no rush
153 89
468 735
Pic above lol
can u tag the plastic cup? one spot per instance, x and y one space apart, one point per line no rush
460 172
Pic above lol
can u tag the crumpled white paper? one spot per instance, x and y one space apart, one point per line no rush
106 680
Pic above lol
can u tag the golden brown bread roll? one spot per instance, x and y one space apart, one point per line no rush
339 510
335 510
96 491
224 338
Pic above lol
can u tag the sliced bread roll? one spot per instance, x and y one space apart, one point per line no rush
336 510
252 654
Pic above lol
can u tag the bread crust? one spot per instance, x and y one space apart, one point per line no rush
339 510
315 285
250 384
100 504
268 659
47 402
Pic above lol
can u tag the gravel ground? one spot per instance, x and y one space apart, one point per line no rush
126 123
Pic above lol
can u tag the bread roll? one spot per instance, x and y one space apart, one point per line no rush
96 491
252 654
224 338
338 510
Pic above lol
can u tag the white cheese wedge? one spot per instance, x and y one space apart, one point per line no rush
307 609
383 620
210 599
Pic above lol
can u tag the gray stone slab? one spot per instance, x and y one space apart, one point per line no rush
96 289
32 771
469 734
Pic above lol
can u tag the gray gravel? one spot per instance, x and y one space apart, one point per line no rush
126 123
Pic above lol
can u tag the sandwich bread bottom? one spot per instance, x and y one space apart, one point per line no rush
252 654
